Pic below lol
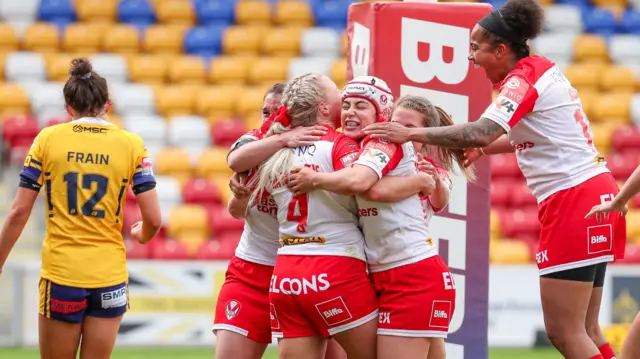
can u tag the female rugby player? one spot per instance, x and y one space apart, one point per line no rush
86 167
538 114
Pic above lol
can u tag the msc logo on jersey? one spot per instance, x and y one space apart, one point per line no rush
232 309
82 129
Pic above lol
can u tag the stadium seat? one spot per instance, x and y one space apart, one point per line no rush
303 65
164 39
112 67
19 11
509 252
293 13
169 192
189 132
25 66
563 19
201 191
81 38
188 219
516 222
41 37
614 107
174 162
149 69
176 12
205 41
152 129
46 99
618 78
168 250
135 249
253 12
269 70
631 21
217 249
622 165
96 10
57 66
600 21
227 70
495 231
320 42
188 70
501 191
59 12
221 180
602 135
242 40
625 48
585 76
614 5
133 99
633 224
283 41
331 13
13 100
215 13
176 100
225 133
213 161
588 98
253 120
16 129
521 197
122 39
339 72
504 165
626 138
8 38
590 48
219 101
250 103
220 221
137 13
635 109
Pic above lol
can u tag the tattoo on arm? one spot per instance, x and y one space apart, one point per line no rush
473 134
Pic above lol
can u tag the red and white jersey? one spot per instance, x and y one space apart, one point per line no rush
543 116
396 234
320 222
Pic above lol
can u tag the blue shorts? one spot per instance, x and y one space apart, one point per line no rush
71 304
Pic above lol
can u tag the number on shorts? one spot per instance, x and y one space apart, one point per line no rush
298 211
88 208
585 127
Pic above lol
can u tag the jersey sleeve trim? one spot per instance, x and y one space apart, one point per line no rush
29 183
516 99
380 157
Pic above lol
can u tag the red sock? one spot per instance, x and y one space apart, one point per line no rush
607 352
599 356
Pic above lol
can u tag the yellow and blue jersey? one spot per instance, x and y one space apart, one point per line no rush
86 167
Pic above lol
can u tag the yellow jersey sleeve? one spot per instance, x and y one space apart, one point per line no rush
143 178
31 175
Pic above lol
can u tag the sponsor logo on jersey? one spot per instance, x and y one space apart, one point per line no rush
378 157
599 238
384 318
273 315
506 105
513 83
348 159
67 307
147 166
289 241
334 311
542 256
114 299
368 212
523 146
232 309
297 286
89 129
440 314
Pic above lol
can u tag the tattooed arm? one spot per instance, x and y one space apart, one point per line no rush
473 134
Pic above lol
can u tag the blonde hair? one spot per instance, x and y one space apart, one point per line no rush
435 116
302 97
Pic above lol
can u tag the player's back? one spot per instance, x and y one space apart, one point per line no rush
320 222
86 167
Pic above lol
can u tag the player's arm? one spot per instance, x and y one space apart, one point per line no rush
394 189
439 199
501 145
480 133
237 207
144 187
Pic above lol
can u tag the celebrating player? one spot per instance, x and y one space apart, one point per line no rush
320 287
86 167
538 114
407 272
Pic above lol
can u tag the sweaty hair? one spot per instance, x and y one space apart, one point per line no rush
301 97
435 116
276 89
85 91
523 19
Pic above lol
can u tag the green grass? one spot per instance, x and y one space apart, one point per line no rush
190 353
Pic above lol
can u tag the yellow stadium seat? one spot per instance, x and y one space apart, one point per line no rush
213 161
253 12
613 107
253 120
618 78
585 76
81 38
8 38
509 252
228 70
588 98
41 37
494 225
602 133
149 69
633 224
188 70
176 12
222 182
188 218
219 101
57 66
590 47
13 100
97 10
614 5
293 13
344 44
269 70
122 39
283 41
250 103
176 100
163 39
242 40
173 162
3 58
339 72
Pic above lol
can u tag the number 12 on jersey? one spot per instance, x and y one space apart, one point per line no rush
298 211
87 182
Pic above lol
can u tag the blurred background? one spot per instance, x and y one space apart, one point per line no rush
189 77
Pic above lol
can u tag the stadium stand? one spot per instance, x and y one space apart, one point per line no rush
189 76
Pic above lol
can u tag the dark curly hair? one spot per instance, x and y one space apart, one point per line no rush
525 18
276 89
85 91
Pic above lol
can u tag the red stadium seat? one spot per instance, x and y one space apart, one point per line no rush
504 165
217 249
220 221
626 139
168 250
19 152
517 222
19 128
622 165
521 197
136 250
225 133
201 191
131 214
501 190
57 120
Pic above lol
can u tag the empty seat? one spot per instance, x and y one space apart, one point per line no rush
111 66
59 12
600 21
504 165
303 65
81 38
614 107
96 10
268 70
152 128
215 13
631 21
176 12
47 98
188 70
635 109
213 161
602 135
225 133
16 128
25 66
588 99
191 131
227 70
554 45
57 66
625 48
332 13
618 78
585 77
250 103
253 12
219 101
123 39
163 39
137 13
563 19
133 99
169 191
149 69
221 222
509 252
204 41
622 165
217 249
136 250
8 38
173 161
201 191
13 100
339 72
590 48
288 13
282 41
175 100
241 40
24 10
168 249
516 222
501 191
626 138
41 37
321 42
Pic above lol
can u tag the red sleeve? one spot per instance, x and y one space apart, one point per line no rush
344 152
516 99
379 155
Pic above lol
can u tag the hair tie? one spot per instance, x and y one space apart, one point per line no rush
281 116
495 24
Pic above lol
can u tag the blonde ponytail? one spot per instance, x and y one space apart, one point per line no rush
448 155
